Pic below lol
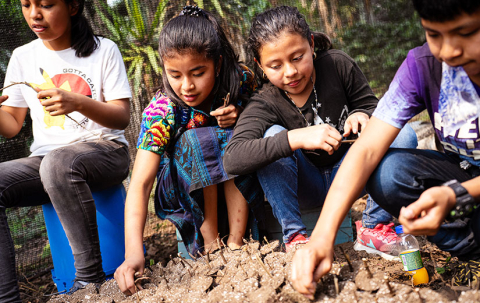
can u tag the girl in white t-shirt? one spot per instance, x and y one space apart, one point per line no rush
78 95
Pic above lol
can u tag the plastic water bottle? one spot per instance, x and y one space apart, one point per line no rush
409 253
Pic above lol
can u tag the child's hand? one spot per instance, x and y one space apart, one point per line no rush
226 116
322 136
309 264
355 123
58 101
3 98
125 274
424 216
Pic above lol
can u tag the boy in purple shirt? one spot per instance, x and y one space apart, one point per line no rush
423 188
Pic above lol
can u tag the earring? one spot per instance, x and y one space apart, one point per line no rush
314 55
264 76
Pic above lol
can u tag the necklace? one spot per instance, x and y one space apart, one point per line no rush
316 101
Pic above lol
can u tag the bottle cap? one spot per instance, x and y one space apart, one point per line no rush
399 229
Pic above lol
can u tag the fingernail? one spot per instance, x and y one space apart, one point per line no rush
407 213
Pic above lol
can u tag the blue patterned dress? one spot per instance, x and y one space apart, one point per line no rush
192 146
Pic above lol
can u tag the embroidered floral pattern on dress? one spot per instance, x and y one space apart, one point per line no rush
162 119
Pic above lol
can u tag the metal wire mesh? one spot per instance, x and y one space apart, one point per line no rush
364 29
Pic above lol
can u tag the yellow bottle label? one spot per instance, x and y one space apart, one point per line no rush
411 260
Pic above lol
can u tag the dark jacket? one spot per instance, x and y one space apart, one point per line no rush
342 89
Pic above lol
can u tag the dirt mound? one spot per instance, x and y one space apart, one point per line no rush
261 274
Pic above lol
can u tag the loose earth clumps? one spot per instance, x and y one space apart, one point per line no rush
261 274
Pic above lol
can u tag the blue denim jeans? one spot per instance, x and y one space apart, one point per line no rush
294 183
403 175
374 214
65 177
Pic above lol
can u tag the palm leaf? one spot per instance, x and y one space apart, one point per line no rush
134 11
153 59
158 17
218 7
137 77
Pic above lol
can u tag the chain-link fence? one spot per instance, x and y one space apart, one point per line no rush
377 34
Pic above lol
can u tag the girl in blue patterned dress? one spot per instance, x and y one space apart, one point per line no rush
184 132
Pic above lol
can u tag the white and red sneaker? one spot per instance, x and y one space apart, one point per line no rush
296 240
380 240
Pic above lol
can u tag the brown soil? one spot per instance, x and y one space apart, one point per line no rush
261 274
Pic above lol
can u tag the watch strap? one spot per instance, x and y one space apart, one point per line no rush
465 203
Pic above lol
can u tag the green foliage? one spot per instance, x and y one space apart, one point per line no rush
27 225
14 31
46 251
381 47
137 38
442 270
237 13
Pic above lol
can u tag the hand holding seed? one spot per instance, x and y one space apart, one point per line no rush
309 264
125 274
58 101
226 115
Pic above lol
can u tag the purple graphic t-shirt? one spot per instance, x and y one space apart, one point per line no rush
416 87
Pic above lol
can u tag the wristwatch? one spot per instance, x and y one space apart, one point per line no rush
465 203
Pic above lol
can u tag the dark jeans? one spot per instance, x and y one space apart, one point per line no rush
403 175
65 177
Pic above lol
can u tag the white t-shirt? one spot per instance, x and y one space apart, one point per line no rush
100 76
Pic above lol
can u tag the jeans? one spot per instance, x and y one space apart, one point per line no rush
404 174
294 183
65 177
374 214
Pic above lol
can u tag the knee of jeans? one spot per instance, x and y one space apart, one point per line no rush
407 138
385 179
273 130
56 164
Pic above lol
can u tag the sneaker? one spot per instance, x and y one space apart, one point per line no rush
381 240
296 240
78 285
467 273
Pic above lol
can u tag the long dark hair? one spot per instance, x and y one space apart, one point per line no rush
84 41
196 30
270 24
445 10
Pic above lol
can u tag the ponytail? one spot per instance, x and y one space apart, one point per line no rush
322 41
84 41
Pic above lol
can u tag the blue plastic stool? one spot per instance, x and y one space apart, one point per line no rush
110 204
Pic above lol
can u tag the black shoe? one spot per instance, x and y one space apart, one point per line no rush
467 273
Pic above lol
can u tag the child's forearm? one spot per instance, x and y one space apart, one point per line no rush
11 120
136 207
473 187
112 114
136 204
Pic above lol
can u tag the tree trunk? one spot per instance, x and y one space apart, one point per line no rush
323 10
336 20
368 12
